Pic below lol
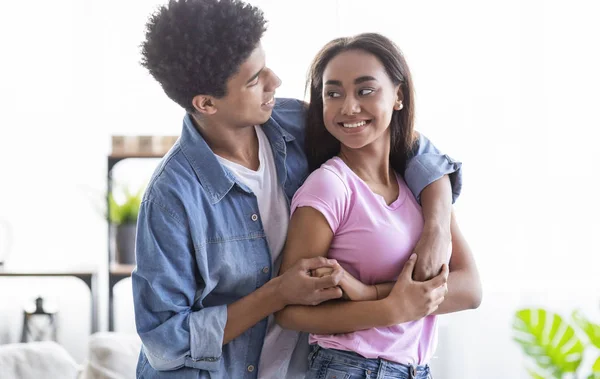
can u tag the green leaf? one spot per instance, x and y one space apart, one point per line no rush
127 211
595 370
535 374
596 367
549 340
592 330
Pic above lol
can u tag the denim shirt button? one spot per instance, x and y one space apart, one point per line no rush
254 217
265 269
250 368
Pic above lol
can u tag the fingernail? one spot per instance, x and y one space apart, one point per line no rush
331 261
413 256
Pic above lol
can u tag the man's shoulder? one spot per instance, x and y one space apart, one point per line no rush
171 177
290 114
287 104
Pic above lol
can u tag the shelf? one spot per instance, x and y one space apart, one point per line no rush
117 271
46 271
121 269
136 155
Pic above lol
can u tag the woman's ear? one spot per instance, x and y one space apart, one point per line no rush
399 97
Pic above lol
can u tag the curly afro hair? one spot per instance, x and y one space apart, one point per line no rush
193 47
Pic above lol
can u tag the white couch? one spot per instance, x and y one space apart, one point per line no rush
110 356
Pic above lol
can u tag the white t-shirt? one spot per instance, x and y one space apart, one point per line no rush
274 214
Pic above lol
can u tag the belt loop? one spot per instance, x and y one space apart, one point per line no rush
381 370
413 371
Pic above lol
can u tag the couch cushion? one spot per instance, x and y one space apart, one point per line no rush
36 360
112 356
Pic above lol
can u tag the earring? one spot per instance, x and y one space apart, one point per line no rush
398 105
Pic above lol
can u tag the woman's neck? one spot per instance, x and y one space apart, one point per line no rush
371 163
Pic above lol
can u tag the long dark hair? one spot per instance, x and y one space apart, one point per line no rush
320 145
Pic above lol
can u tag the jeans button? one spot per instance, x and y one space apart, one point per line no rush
250 368
254 217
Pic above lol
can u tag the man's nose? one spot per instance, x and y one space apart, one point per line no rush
273 83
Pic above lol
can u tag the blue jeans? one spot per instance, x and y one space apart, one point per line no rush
338 364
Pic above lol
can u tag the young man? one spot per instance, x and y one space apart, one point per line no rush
214 216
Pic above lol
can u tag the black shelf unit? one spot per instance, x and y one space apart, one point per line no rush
117 271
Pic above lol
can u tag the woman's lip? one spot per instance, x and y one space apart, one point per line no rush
367 122
356 129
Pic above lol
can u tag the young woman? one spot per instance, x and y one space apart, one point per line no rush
356 208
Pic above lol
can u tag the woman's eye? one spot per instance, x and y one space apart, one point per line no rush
333 95
366 91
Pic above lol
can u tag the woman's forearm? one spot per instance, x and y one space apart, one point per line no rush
336 317
464 292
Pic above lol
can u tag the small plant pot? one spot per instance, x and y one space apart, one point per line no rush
125 243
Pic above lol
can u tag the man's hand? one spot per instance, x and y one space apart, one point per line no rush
410 300
432 251
297 286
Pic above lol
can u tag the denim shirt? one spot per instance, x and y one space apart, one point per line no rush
200 246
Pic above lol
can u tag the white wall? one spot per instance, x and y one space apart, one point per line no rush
508 87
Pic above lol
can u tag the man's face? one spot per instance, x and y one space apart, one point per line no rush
250 93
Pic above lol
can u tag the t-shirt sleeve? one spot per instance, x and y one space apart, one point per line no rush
326 192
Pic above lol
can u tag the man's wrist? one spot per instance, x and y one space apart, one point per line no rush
274 294
437 227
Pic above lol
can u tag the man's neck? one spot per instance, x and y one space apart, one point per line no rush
236 144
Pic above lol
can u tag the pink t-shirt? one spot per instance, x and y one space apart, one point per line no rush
372 241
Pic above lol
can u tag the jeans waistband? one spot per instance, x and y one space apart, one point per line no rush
353 359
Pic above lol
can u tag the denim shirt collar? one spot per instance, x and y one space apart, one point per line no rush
216 179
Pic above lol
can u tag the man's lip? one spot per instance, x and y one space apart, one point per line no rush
269 101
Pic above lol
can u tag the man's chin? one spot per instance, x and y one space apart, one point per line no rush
265 117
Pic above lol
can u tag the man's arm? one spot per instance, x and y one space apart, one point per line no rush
435 180
310 236
464 285
167 280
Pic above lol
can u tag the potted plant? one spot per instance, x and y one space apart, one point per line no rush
123 214
554 344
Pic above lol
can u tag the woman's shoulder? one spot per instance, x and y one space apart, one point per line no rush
332 172
328 181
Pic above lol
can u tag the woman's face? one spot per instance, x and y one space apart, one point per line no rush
358 99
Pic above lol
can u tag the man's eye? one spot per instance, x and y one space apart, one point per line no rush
366 91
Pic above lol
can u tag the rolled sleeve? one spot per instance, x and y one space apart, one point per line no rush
207 328
165 284
428 165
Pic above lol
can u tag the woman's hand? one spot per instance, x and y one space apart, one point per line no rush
352 288
410 300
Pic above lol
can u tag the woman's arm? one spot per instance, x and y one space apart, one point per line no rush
310 236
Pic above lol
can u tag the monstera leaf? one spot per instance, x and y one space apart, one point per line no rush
595 370
549 340
592 330
536 373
